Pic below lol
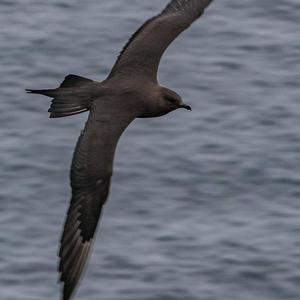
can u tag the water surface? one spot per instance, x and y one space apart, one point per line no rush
204 205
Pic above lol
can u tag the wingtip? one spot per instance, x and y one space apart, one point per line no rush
67 290
66 293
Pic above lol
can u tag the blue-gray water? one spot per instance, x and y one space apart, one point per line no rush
204 205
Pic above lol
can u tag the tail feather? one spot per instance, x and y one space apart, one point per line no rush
49 93
70 98
73 80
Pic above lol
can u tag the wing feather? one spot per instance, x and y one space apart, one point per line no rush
90 181
143 51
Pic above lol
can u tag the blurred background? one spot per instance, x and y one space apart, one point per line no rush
203 205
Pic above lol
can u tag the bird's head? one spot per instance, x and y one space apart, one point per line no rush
162 102
171 100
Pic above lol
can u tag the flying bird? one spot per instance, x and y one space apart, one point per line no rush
130 91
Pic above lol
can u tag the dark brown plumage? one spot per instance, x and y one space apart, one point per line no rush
130 91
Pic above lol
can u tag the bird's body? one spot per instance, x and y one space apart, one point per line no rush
130 91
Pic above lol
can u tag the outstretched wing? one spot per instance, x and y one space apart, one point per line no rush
90 180
143 51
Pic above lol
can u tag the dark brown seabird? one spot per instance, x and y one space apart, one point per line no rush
130 91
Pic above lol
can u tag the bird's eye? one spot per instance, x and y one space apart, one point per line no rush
171 100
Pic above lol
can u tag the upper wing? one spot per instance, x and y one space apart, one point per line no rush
143 51
90 180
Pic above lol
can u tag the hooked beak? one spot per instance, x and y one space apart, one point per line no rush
185 106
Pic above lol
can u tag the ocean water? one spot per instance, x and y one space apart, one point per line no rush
203 205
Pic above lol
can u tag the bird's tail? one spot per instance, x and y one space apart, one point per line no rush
70 98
